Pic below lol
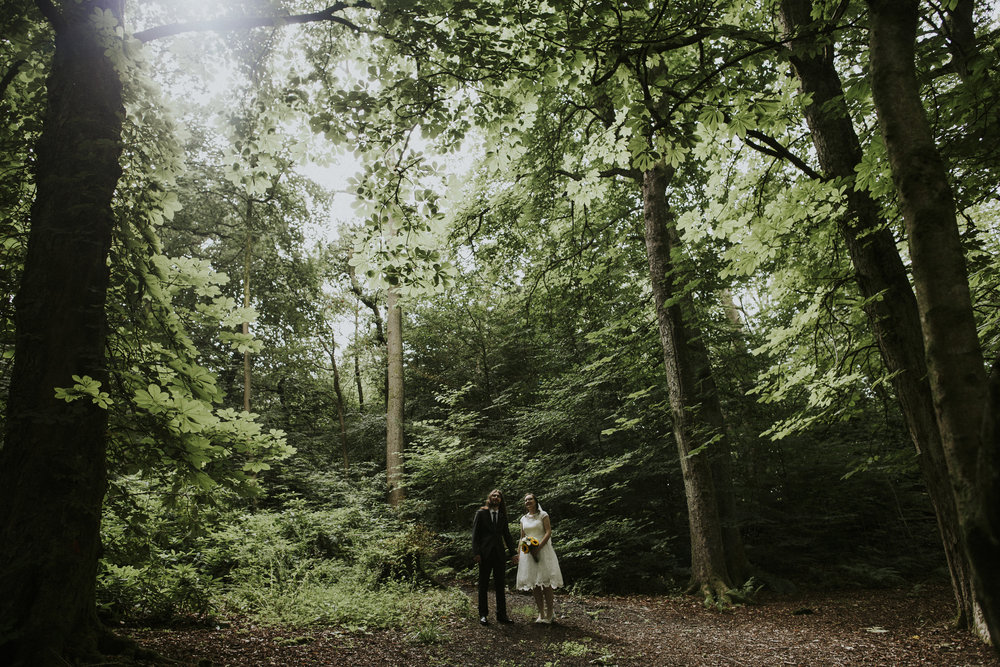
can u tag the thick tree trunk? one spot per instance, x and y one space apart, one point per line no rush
955 364
394 399
340 400
889 302
53 470
717 556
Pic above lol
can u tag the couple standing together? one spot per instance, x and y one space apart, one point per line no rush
537 565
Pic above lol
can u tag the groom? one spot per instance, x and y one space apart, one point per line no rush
492 545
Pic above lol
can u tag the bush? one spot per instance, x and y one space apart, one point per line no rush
357 564
156 593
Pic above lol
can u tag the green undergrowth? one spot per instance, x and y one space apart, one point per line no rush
352 565
343 602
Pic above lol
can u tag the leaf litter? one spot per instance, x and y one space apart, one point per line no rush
848 627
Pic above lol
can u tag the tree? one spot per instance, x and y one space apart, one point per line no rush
889 303
965 398
340 399
53 464
651 73
54 460
395 433
717 558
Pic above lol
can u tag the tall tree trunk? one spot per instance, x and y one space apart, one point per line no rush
394 399
890 306
717 556
357 363
340 399
248 254
53 468
958 380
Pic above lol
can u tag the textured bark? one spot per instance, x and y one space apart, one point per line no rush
394 400
890 305
954 359
717 556
53 472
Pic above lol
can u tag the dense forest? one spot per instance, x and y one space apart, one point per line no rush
289 286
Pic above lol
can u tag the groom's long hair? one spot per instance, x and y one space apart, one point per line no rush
503 503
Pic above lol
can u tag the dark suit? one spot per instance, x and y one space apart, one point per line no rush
494 546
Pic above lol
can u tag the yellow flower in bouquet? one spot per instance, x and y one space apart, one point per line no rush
528 545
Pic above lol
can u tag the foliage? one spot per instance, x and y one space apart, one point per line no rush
532 356
25 50
297 564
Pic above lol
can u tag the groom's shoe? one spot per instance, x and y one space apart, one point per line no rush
483 621
504 619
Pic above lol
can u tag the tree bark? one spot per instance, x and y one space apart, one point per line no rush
960 35
357 364
248 255
53 469
717 557
890 305
340 400
394 399
956 370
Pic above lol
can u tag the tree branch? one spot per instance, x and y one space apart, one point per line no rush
604 173
8 77
372 304
774 148
248 22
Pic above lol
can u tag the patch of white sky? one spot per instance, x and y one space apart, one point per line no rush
200 71
199 67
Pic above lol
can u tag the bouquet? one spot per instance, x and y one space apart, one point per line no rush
529 545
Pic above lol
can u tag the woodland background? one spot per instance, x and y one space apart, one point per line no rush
367 261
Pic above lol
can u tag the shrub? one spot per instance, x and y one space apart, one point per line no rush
156 593
357 564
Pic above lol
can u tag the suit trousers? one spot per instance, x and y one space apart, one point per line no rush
492 564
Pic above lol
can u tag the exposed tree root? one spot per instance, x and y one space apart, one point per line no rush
717 594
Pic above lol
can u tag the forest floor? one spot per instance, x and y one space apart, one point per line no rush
856 627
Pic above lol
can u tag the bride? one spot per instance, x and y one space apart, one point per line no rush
538 567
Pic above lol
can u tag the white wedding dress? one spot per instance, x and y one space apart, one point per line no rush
544 572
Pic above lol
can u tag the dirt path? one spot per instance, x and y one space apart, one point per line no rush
886 627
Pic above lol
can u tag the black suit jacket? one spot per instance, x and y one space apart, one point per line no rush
490 542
